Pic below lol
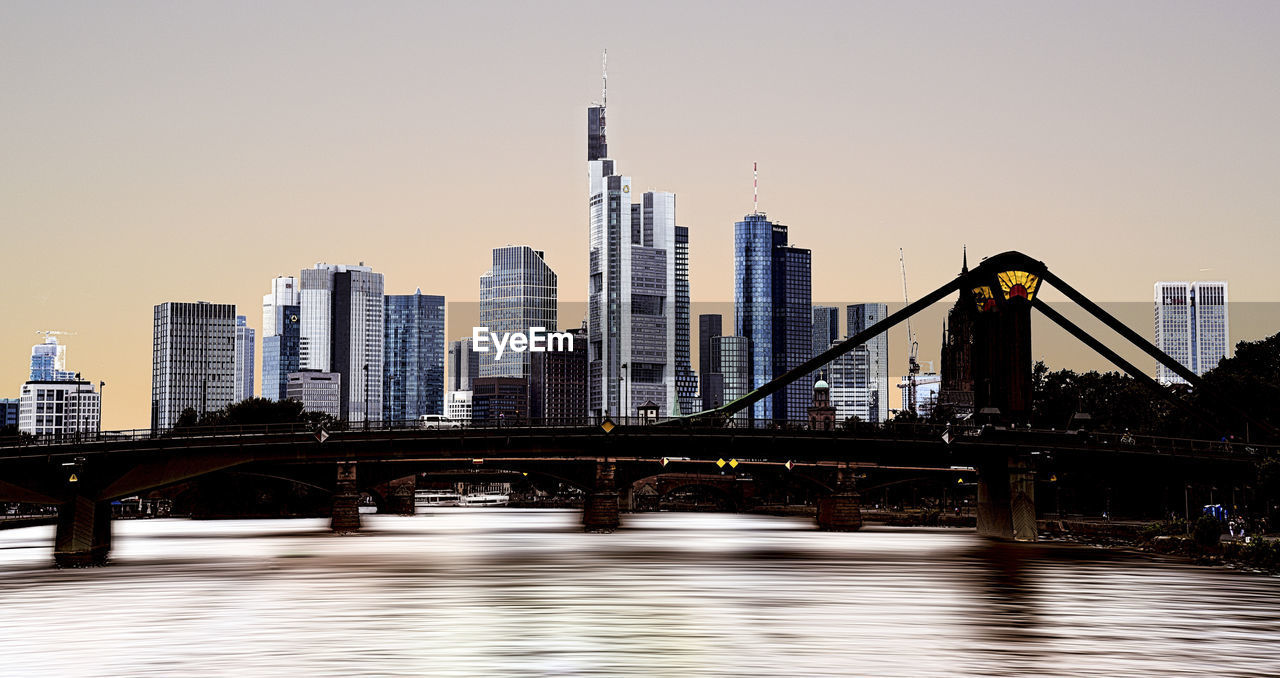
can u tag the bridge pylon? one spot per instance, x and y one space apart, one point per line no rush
345 516
841 511
83 536
600 510
1006 498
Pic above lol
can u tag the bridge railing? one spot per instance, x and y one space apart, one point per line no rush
958 433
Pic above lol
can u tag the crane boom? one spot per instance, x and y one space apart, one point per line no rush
913 367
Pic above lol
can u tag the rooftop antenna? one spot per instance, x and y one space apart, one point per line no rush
604 72
755 188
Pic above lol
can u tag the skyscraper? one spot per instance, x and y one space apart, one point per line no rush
192 359
632 288
358 316
280 352
49 361
686 380
558 384
772 303
731 371
711 390
517 293
1191 325
413 369
826 327
280 335
244 359
464 365
876 377
315 296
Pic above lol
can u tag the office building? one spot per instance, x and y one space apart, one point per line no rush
59 408
826 327
1191 325
632 288
853 393
731 378
315 296
281 335
686 379
517 293
860 317
709 327
558 384
358 334
281 351
772 300
192 359
500 401
317 391
244 359
457 406
464 365
9 411
413 366
49 361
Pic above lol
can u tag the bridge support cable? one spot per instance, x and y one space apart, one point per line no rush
1115 358
778 383
1152 350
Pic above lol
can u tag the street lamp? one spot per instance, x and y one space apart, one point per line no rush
366 395
102 389
625 395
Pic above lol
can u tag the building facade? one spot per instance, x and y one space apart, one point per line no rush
192 359
245 359
317 391
457 406
517 293
826 327
860 317
773 308
281 351
413 367
558 384
500 401
9 408
853 393
49 361
464 365
59 409
358 335
731 360
710 325
1192 326
632 288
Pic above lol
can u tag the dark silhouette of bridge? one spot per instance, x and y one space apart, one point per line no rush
84 475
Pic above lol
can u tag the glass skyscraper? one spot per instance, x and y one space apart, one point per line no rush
280 355
1191 325
464 365
357 332
49 361
772 303
244 359
413 369
517 293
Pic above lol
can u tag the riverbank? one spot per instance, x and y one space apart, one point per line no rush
1261 554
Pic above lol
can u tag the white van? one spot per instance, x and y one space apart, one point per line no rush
437 421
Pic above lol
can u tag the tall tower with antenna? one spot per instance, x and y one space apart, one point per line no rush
597 147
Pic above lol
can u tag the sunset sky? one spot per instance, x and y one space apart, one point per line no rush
161 151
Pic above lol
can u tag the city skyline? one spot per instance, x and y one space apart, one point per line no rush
874 186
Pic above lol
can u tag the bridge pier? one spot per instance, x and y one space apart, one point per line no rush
841 511
83 535
346 500
600 510
1006 499
400 495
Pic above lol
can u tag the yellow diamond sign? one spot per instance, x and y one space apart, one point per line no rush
733 463
665 461
608 425
790 465
720 463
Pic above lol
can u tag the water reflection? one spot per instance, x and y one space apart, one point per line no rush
503 592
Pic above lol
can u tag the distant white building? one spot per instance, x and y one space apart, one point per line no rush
1191 325
317 391
59 408
457 406
244 359
928 385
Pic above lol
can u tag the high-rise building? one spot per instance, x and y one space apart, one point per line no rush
731 376
281 335
280 351
413 367
686 380
315 296
1191 325
826 327
192 359
244 359
853 392
59 408
317 391
710 325
772 300
358 332
500 401
464 365
49 361
517 293
860 317
558 384
632 288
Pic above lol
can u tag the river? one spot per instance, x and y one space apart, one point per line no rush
504 592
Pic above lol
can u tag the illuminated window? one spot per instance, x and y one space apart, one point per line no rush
1018 284
984 298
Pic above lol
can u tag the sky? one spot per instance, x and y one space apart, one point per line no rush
159 151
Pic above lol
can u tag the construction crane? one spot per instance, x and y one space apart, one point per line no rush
913 367
49 333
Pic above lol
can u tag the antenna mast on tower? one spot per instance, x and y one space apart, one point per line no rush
604 73
755 188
